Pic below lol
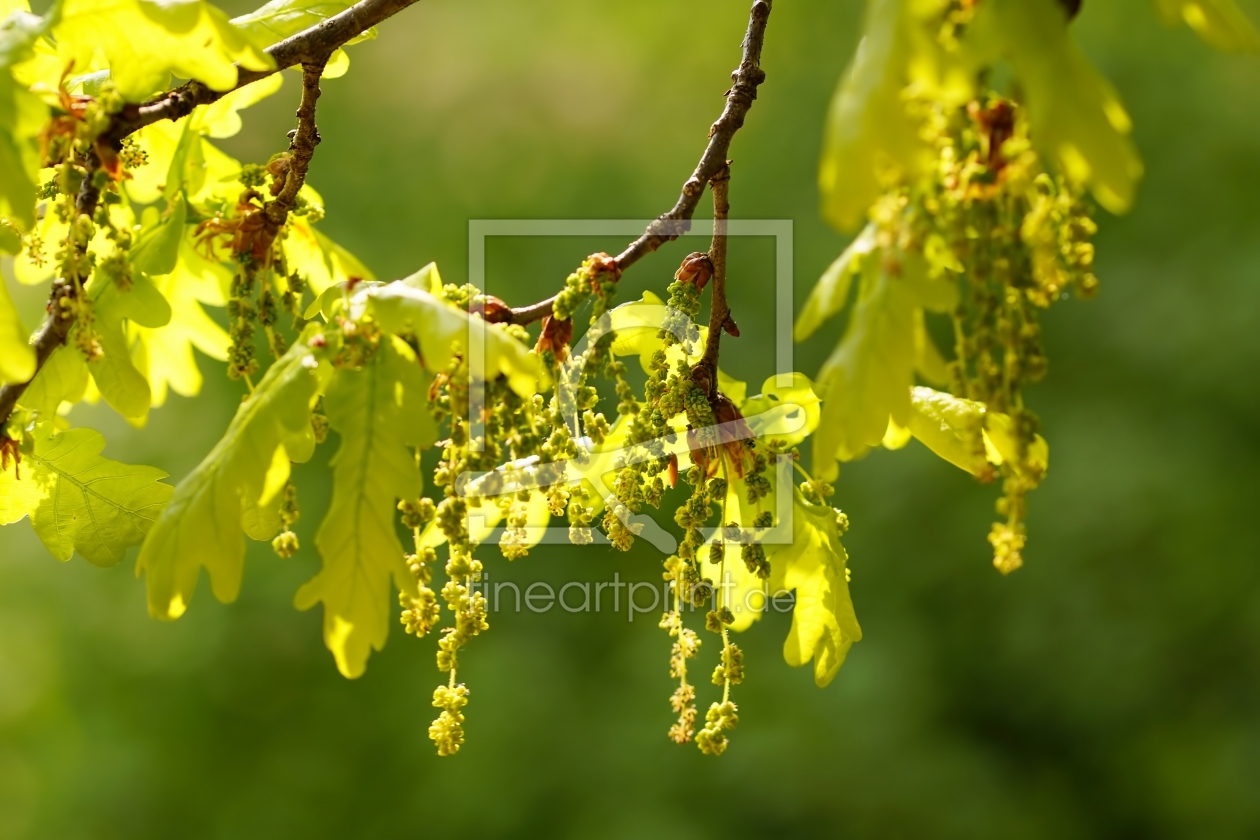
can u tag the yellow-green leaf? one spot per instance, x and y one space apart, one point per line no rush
22 115
115 373
146 42
869 137
165 354
321 262
777 407
814 564
375 411
63 378
17 357
90 504
1075 117
869 374
443 329
202 525
947 425
831 292
1219 23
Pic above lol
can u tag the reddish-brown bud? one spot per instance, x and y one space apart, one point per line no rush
601 263
492 309
696 268
702 377
555 337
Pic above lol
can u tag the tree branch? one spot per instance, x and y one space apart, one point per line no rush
669 226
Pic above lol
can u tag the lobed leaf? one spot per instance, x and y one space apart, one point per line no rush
1075 116
322 263
165 354
444 330
824 625
378 411
869 136
63 378
88 503
22 115
17 358
947 425
869 374
115 373
146 41
831 292
779 407
202 525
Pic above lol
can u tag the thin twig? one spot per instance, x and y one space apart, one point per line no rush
301 148
719 310
669 226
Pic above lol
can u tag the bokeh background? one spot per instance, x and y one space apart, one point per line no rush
1111 688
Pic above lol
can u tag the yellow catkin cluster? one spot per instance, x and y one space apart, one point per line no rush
683 700
421 611
720 718
447 730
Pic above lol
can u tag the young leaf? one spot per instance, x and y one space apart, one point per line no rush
121 383
165 354
145 42
17 359
824 625
868 376
321 262
22 115
88 503
374 468
279 19
442 329
869 134
63 378
1220 23
944 424
777 407
1075 116
947 425
831 292
202 525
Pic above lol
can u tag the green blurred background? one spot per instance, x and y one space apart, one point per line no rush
1111 688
